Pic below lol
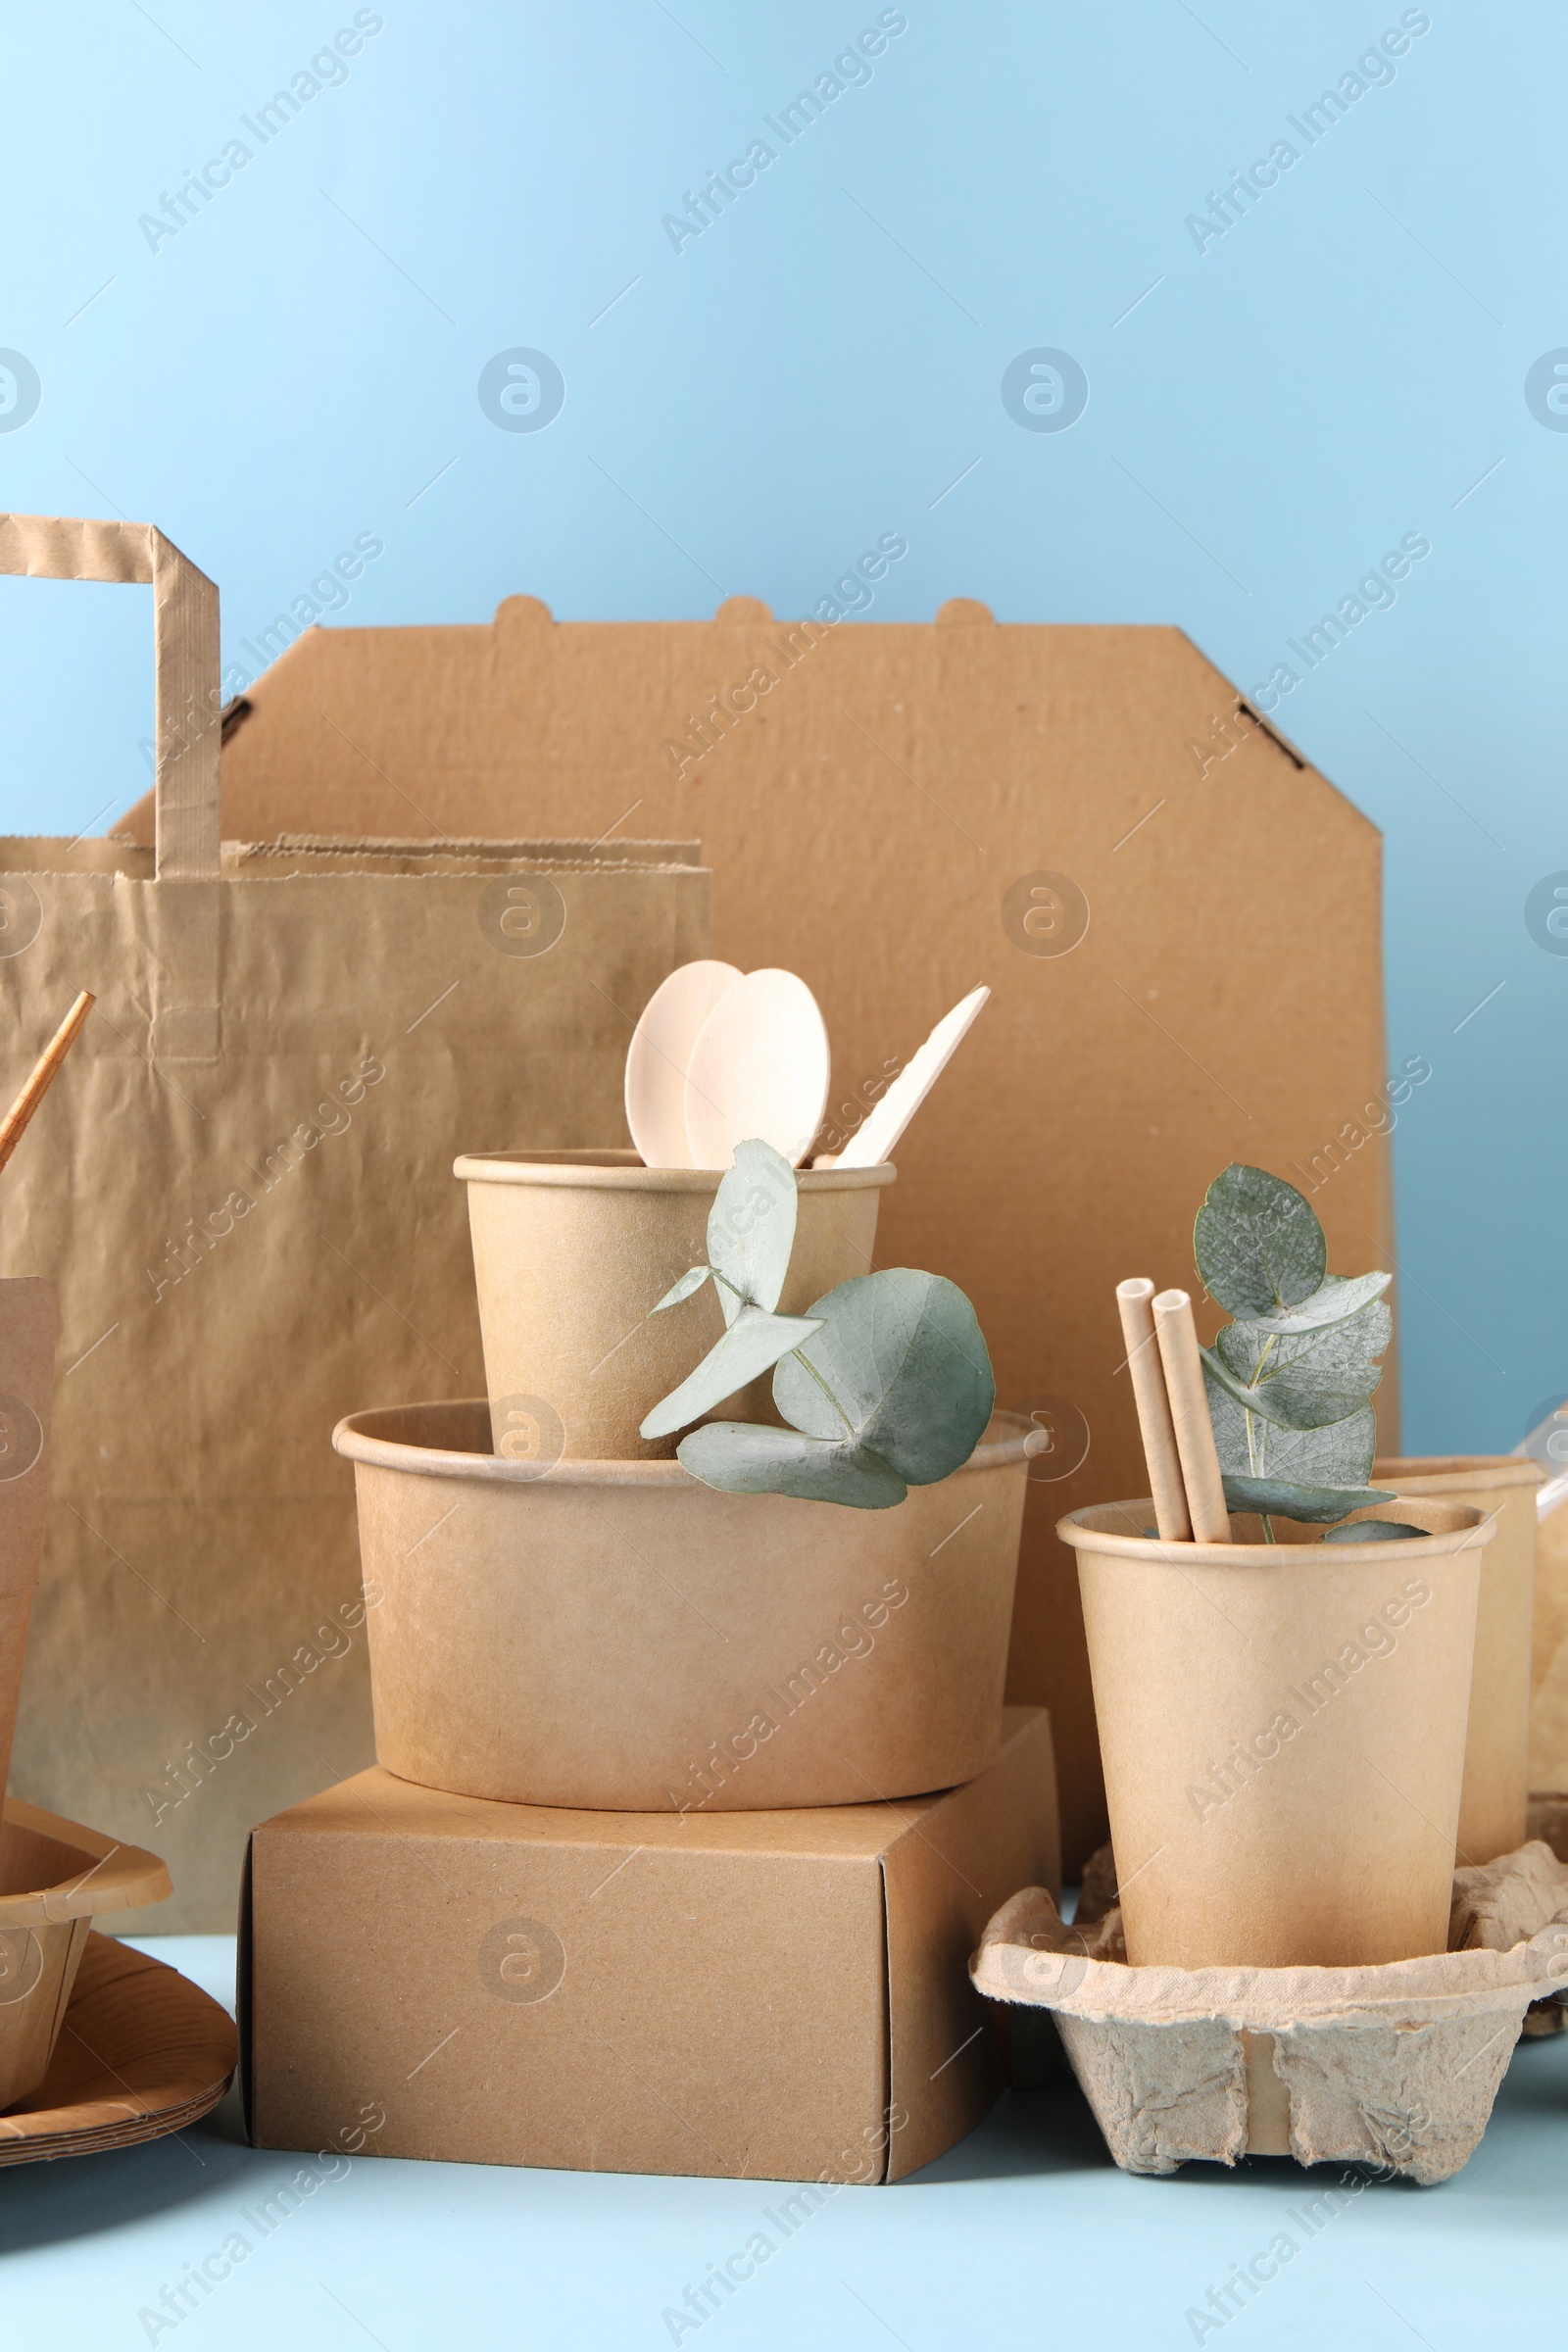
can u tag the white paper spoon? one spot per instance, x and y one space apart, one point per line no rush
660 1049
873 1141
759 1068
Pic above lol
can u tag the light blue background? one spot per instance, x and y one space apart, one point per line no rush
1342 366
1023 2236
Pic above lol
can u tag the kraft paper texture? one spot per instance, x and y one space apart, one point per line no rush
615 1635
1548 1665
776 1996
241 1189
26 1408
1495 1789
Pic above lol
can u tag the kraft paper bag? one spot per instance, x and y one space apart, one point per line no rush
241 1189
26 1400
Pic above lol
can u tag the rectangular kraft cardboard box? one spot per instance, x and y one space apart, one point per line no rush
898 810
767 1995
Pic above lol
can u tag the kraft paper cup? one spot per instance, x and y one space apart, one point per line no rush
617 1635
572 1249
1549 1656
55 1876
1281 1728
1495 1794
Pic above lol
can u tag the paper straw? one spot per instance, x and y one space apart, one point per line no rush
37 1086
1154 1410
1188 1407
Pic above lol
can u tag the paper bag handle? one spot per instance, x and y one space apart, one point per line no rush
188 727
189 732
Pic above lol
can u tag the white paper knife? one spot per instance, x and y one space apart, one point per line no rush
874 1141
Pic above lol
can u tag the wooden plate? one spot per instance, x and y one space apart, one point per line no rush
142 2052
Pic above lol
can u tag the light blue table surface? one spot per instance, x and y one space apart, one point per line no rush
1023 2236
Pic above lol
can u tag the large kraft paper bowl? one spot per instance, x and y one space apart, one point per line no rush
1495 1796
571 1250
615 1636
1283 1729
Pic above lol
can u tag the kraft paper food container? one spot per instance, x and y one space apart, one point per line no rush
1281 1728
570 1251
618 1636
1495 1794
55 1876
26 1390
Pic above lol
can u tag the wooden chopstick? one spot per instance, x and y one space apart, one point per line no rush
1154 1410
37 1086
1188 1408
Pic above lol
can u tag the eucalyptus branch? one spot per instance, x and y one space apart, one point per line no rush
904 1347
1291 1378
1257 1453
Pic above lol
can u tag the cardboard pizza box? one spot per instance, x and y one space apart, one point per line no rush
1179 917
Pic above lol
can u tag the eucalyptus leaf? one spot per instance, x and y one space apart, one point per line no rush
753 1343
1375 1531
751 1228
898 1368
1258 1243
1237 1390
1288 1380
1337 1454
1337 1297
1240 1449
898 1389
689 1284
1278 1498
747 1458
1307 1380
